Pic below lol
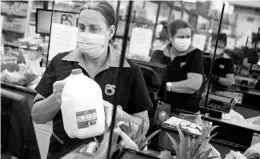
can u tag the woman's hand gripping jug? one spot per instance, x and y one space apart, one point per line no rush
82 106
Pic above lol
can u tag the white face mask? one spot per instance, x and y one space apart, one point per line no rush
182 44
92 45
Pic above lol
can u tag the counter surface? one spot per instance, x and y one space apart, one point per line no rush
16 102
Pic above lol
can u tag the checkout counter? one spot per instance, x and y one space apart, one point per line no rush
18 133
18 136
231 134
235 136
17 102
248 105
16 114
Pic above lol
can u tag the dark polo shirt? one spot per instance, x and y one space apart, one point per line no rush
133 94
223 66
177 69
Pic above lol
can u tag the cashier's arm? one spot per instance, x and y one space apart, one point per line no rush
228 80
44 109
190 85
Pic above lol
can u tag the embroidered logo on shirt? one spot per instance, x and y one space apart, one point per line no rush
221 66
110 89
182 64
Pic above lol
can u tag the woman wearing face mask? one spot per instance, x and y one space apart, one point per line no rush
185 68
223 70
99 61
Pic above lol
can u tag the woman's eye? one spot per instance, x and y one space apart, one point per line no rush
181 37
81 28
184 37
94 29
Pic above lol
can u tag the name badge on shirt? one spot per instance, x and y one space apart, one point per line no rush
221 66
110 89
182 64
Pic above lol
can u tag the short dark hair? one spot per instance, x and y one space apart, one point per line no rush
104 8
222 38
175 25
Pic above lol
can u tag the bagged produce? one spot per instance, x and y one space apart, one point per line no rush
23 77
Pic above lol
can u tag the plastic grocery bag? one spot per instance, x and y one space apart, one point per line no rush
254 120
233 115
43 133
252 150
235 155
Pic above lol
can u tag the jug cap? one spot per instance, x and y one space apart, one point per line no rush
76 71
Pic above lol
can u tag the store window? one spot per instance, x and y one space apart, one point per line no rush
26 48
67 5
161 32
143 16
19 19
19 25
14 20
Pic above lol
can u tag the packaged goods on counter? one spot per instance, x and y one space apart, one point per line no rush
236 118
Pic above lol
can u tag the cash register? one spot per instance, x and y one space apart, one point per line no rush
245 82
217 104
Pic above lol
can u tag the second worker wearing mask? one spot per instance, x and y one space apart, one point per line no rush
184 68
223 69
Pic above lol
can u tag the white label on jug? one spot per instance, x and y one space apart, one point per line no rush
86 118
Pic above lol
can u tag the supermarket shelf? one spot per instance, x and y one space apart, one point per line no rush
7 29
121 37
11 44
78 2
32 23
23 1
14 15
135 22
33 11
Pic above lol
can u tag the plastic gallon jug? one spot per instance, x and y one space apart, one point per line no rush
82 106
